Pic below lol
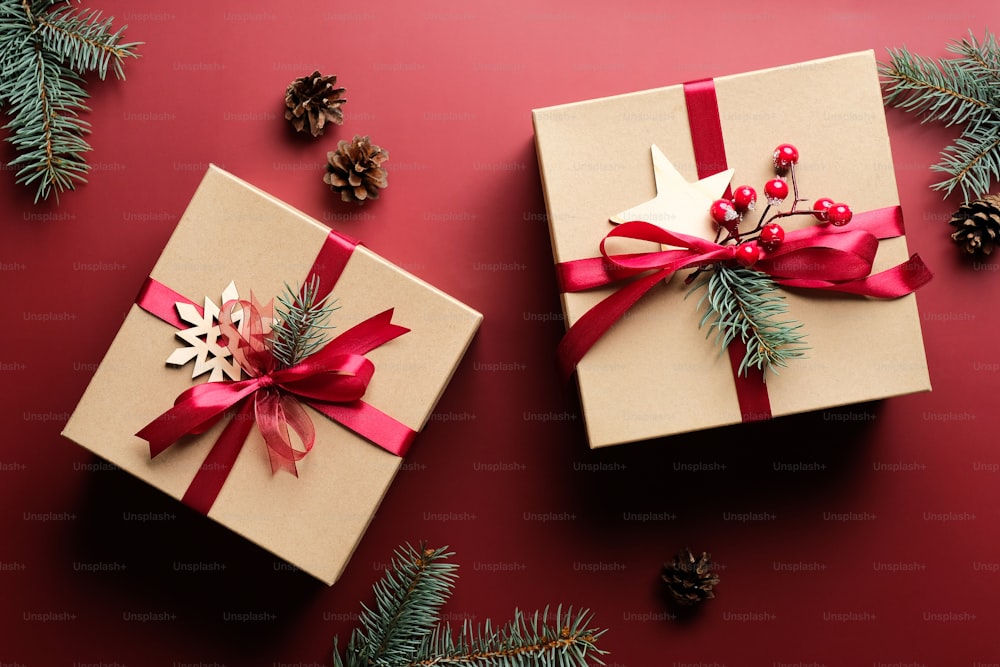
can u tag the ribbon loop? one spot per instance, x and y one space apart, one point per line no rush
248 340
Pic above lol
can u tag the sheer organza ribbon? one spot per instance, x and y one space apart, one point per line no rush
823 258
332 381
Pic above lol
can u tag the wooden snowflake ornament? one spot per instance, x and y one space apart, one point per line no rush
204 346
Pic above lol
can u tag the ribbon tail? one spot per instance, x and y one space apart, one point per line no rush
364 336
587 330
194 408
900 280
211 476
893 283
370 423
275 413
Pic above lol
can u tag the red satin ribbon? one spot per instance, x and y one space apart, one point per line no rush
332 381
813 258
157 299
705 127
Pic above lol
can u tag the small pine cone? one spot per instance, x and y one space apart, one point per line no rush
315 99
690 579
355 170
977 225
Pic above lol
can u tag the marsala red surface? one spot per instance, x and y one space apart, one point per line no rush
866 535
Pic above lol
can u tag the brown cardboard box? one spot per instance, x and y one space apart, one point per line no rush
654 373
315 520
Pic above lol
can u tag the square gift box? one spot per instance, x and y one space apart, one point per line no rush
314 519
654 373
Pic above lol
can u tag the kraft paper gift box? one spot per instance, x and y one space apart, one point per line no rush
232 231
654 373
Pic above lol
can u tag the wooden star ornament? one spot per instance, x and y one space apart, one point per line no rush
679 205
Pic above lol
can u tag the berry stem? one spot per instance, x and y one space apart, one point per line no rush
795 191
795 186
785 214
718 233
746 237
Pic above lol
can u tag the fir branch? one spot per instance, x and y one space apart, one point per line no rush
565 640
965 89
43 57
978 59
746 303
45 128
407 604
404 629
301 325
973 162
939 90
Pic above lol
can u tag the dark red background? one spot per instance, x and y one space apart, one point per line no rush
864 535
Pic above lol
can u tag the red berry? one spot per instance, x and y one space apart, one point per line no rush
820 208
747 254
785 156
776 190
744 198
839 214
724 213
771 236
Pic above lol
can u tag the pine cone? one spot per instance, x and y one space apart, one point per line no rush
314 98
355 170
977 225
690 579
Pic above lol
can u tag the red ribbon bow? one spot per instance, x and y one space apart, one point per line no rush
339 373
815 257
331 381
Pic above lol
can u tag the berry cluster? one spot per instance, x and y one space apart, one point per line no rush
728 213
